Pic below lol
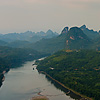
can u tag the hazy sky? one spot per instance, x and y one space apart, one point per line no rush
37 15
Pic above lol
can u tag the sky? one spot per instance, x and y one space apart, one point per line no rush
41 15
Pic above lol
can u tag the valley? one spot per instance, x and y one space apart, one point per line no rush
72 57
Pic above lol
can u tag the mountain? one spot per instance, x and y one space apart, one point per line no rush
50 42
50 34
18 44
76 39
96 44
40 35
27 36
65 30
90 33
11 37
51 45
68 39
2 43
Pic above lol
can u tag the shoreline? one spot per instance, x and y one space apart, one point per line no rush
83 97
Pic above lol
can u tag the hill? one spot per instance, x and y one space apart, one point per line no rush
14 57
90 33
2 43
50 42
78 70
68 39
76 39
51 45
18 44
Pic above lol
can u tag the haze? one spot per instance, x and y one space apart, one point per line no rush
37 15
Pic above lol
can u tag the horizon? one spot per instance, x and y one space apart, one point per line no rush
36 15
50 29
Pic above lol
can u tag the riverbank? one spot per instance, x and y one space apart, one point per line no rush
83 97
23 83
40 98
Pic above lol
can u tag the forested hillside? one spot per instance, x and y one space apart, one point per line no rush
50 42
78 70
73 38
90 32
11 58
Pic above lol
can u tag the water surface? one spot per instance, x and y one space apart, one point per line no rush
23 83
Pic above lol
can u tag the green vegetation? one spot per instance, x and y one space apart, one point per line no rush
90 33
78 70
76 39
50 45
72 39
14 57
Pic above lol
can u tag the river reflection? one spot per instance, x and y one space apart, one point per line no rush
24 83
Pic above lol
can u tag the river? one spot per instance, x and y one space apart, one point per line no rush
23 83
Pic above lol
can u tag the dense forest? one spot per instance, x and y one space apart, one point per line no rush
14 57
77 69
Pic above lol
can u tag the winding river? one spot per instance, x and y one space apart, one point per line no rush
23 83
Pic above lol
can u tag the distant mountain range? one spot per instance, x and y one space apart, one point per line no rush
27 36
50 42
73 38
